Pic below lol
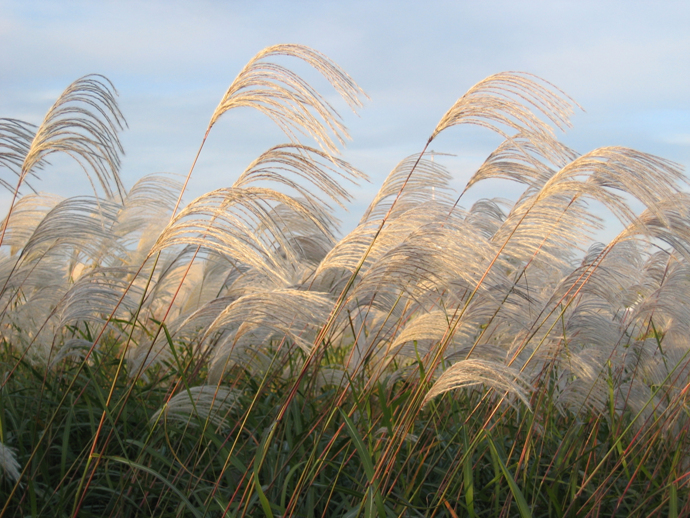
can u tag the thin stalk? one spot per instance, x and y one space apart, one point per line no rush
22 175
338 307
174 212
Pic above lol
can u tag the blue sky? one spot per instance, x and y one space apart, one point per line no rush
626 63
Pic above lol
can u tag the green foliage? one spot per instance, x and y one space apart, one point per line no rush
318 460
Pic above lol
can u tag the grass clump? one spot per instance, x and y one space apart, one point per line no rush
234 357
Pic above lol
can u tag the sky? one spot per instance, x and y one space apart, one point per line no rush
626 63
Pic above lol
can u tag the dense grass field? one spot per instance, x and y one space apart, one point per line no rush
235 356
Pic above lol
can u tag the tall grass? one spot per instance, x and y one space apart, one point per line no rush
235 357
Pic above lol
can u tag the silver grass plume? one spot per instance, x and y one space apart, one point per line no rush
519 160
431 179
599 171
15 141
669 224
28 213
287 99
198 405
189 327
289 313
226 222
217 276
503 100
146 209
603 173
492 103
281 163
73 348
295 106
76 234
470 373
93 296
80 223
432 182
425 331
8 463
84 123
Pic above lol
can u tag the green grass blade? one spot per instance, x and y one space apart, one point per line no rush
468 475
160 477
525 511
258 462
366 462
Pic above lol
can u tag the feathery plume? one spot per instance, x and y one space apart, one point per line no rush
15 141
469 373
497 102
287 99
84 122
8 462
206 403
